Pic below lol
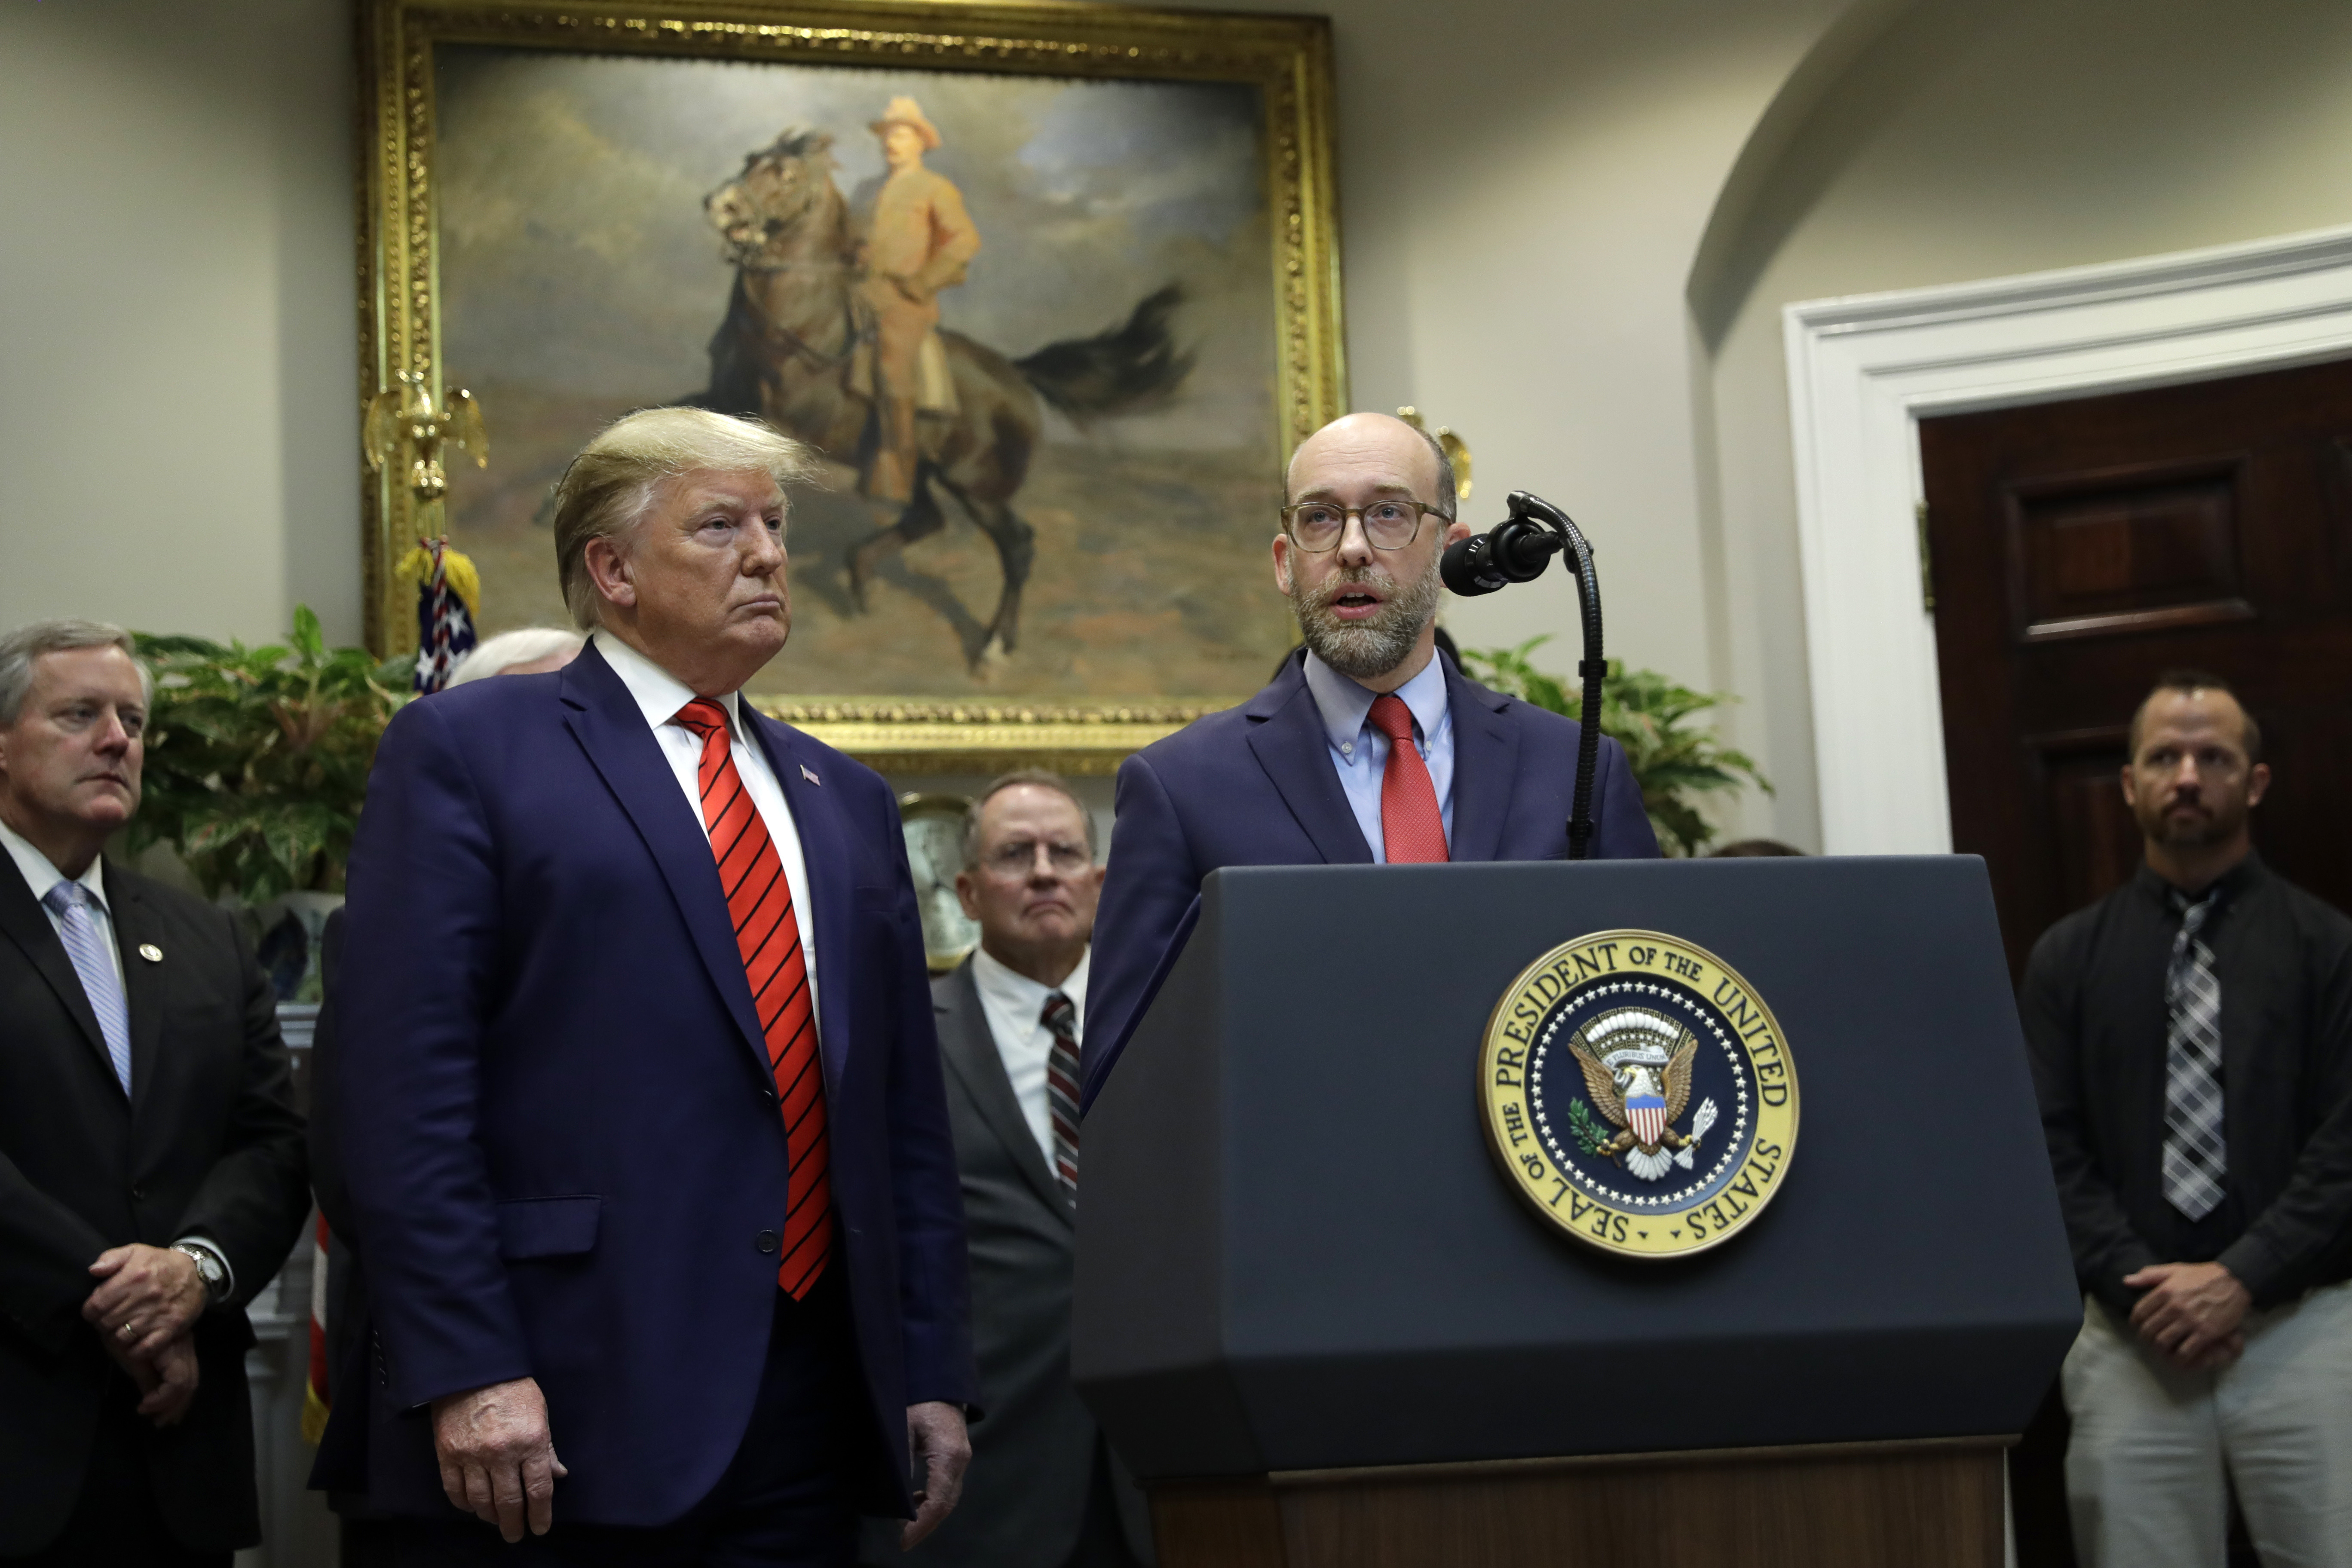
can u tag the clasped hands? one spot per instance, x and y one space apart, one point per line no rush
2193 1315
497 1458
145 1308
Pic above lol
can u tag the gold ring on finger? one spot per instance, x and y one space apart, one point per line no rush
124 1331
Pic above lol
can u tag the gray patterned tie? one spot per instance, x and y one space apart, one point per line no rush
1062 1087
2196 1158
86 945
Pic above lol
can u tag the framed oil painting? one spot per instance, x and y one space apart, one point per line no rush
1053 289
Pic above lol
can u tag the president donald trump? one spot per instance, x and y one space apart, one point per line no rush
644 1126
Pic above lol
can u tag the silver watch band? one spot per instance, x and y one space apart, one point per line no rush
220 1280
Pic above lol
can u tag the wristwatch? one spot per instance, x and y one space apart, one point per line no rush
210 1268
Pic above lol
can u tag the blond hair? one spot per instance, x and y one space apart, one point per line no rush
610 485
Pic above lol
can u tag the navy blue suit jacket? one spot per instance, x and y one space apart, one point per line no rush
1254 786
560 1135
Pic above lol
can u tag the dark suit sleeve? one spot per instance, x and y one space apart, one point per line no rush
2106 1245
1620 824
2274 1258
422 947
1149 888
326 1152
45 1251
253 1201
934 1281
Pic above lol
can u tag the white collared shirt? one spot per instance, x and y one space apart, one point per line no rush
1360 752
40 875
659 695
1015 1008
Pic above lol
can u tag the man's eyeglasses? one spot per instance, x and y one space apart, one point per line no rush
1318 525
1019 857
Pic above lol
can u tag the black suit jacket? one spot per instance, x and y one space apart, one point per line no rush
1034 1453
208 1140
341 1466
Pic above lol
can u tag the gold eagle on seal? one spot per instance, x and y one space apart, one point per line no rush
1637 1069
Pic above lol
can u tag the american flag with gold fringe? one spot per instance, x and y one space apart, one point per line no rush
449 603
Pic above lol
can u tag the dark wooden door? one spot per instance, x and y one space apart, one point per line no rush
2080 549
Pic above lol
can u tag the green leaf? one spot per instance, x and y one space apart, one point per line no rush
258 759
1586 1127
1674 761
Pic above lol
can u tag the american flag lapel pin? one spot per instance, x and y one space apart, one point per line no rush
809 775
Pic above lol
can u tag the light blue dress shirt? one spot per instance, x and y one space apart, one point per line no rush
1360 753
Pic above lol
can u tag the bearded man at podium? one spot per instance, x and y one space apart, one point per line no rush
1366 748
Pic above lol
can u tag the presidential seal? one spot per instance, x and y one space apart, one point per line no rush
1638 1093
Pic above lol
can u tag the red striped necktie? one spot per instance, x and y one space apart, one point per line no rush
1413 829
768 934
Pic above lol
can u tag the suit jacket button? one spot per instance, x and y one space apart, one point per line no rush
138 1194
766 1241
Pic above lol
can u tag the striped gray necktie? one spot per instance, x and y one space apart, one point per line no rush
86 945
1062 1087
2196 1157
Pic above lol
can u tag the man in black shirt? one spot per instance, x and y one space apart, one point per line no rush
2191 1036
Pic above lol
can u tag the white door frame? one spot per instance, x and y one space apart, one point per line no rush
1865 370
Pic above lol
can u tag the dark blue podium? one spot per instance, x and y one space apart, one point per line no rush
1322 1327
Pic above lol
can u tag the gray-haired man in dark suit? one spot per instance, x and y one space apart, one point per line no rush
1044 1489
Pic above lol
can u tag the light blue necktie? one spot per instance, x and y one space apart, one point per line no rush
86 945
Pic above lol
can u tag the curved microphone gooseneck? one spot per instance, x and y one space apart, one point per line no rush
1517 550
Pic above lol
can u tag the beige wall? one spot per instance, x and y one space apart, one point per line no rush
1525 191
1978 138
177 349
1522 188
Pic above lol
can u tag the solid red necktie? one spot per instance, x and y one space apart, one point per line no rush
768 934
1411 825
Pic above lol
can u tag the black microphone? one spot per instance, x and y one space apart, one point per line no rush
1516 550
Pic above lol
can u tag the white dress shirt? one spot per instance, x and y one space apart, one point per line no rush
1015 1008
1360 752
659 696
40 875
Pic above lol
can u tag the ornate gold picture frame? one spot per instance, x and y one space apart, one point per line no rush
1111 231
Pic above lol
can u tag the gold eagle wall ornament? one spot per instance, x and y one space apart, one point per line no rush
1456 451
402 420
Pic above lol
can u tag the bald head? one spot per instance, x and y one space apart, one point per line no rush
1368 611
1382 444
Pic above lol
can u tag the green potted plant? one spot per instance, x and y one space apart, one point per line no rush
1674 761
256 764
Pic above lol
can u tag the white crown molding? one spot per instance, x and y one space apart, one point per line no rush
1865 370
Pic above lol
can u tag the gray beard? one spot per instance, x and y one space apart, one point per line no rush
1362 649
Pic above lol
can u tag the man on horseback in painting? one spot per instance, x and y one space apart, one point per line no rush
830 337
917 240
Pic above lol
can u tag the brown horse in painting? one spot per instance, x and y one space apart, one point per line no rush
794 326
